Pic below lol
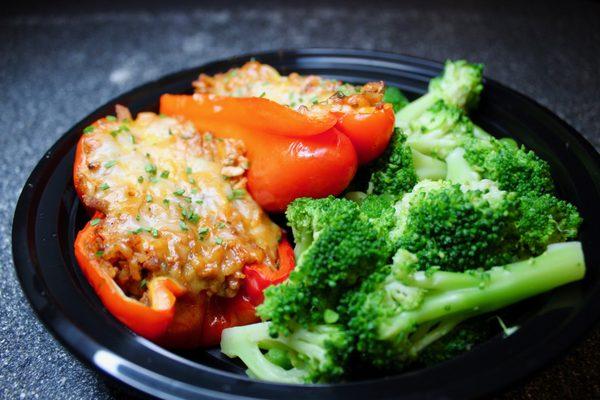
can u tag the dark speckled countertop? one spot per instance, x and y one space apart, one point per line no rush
57 65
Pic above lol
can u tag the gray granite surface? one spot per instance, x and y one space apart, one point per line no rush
57 66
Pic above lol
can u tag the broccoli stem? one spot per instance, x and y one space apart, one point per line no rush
479 133
560 264
428 167
412 110
242 342
458 169
444 280
429 335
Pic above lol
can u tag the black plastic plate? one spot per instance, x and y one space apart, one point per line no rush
49 215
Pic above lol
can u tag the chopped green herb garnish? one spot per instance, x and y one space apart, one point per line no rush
88 129
202 232
140 179
153 179
192 181
166 202
164 174
111 118
208 137
218 240
184 213
154 232
221 225
188 170
132 139
151 169
237 194
110 164
138 217
183 226
179 192
199 201
194 218
170 132
99 253
137 231
95 221
148 198
143 283
262 94
194 191
104 186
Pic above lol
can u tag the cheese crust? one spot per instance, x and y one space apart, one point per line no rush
306 93
174 202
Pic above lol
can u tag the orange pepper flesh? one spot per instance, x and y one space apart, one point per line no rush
148 321
176 318
256 114
282 168
370 133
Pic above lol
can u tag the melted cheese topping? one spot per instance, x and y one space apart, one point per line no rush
175 204
310 93
254 79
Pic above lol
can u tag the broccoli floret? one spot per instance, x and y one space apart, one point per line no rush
459 85
395 97
439 130
514 168
544 220
399 310
379 211
335 248
304 356
394 172
420 153
399 168
457 227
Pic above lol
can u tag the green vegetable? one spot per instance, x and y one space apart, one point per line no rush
400 310
306 355
335 248
459 85
457 228
514 168
95 221
394 172
394 96
473 222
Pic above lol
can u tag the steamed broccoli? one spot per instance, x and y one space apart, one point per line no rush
318 354
398 169
439 130
544 220
514 168
476 225
335 248
400 310
379 211
395 97
457 227
459 85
